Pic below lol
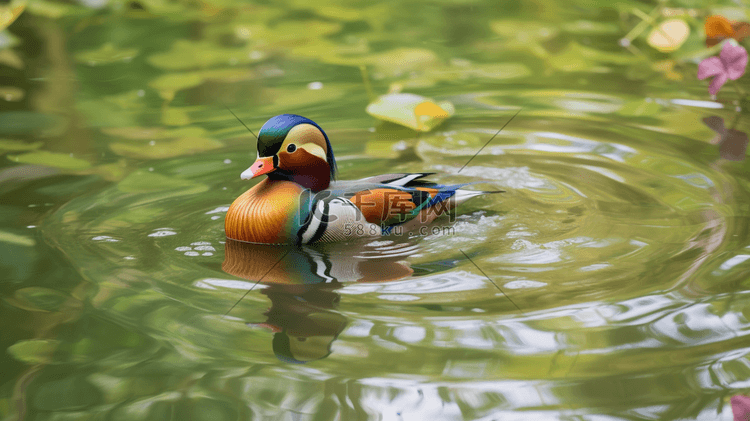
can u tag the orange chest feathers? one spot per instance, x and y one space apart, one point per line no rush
264 214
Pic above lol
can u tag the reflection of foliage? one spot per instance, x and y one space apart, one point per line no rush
732 143
142 337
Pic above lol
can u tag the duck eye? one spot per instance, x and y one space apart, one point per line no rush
291 148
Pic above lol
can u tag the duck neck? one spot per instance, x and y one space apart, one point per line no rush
316 180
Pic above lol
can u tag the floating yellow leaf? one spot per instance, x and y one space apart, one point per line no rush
9 13
669 35
410 110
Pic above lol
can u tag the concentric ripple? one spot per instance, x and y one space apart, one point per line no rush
600 275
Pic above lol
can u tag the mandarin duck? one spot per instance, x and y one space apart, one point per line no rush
299 203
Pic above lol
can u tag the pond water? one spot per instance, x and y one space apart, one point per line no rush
609 281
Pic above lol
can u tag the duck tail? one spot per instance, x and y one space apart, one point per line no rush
462 195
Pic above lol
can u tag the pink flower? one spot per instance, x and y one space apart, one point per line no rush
730 64
741 407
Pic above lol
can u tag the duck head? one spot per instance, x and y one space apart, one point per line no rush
294 148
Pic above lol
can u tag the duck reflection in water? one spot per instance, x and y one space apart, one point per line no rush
302 283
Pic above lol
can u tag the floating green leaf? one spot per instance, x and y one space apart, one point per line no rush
10 145
52 159
186 55
161 149
588 27
173 116
34 351
38 299
174 82
142 181
27 122
577 58
392 62
106 54
19 240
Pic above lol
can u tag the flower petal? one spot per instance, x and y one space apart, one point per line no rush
711 66
734 58
717 83
740 407
718 26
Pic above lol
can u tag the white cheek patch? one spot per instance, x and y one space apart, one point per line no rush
314 149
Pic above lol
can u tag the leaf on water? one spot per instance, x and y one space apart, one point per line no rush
131 100
524 31
142 181
577 58
168 85
669 35
393 62
639 108
283 98
51 159
465 70
161 149
110 172
34 351
10 145
587 27
174 82
15 239
173 116
10 12
138 133
410 110
107 54
49 9
38 299
186 55
27 122
386 148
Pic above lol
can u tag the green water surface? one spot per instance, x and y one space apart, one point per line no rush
609 282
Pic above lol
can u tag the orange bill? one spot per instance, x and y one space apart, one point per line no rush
260 166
